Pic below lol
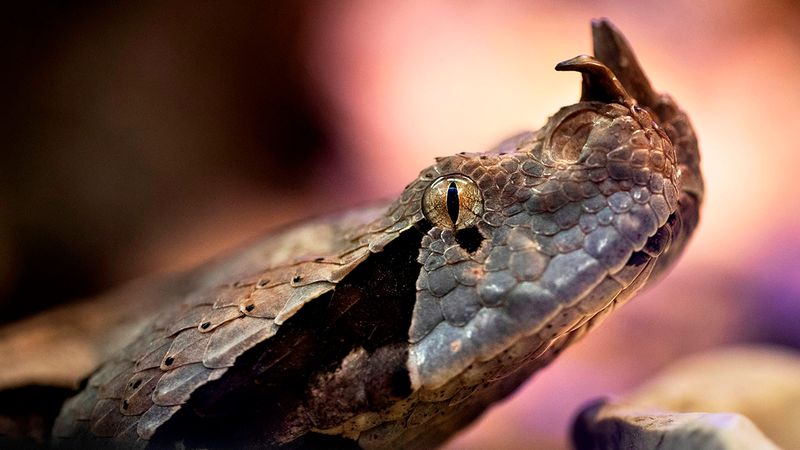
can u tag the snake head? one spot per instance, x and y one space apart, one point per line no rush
574 219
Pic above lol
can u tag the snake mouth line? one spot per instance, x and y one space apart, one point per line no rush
634 274
631 278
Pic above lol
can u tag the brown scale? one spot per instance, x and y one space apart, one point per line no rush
137 396
187 347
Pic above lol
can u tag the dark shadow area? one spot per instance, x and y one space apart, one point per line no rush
121 121
370 309
27 415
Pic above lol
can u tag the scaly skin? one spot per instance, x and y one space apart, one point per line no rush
386 328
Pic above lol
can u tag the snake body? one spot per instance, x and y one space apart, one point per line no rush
393 325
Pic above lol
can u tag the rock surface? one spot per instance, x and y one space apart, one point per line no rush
739 398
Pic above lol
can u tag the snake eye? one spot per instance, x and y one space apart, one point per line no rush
452 201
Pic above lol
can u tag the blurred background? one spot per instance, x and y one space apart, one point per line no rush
145 138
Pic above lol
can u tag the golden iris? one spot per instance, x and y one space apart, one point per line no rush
452 201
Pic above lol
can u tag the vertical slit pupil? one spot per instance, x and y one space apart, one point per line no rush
452 202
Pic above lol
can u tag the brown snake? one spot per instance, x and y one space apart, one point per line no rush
397 324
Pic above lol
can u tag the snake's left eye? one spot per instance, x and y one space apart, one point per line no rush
452 201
